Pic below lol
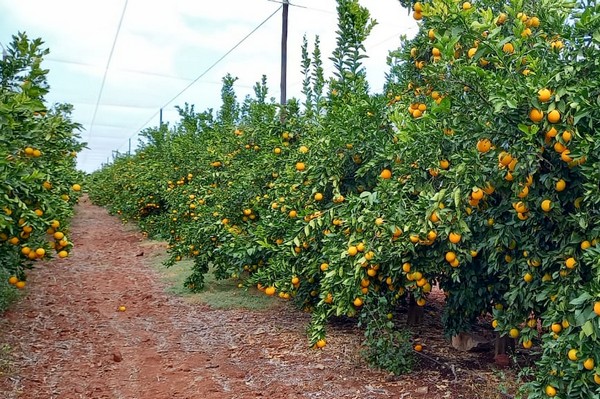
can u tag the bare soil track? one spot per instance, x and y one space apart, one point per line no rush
68 340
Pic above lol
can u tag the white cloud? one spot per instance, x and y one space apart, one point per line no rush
163 46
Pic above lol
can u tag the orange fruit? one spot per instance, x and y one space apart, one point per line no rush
300 166
544 95
572 354
324 266
418 347
466 6
527 344
546 205
567 136
418 7
536 115
76 187
295 280
588 364
386 174
454 238
550 391
417 16
477 193
321 343
318 197
484 145
20 284
514 333
444 164
352 250
554 116
556 328
270 291
508 48
292 214
13 280
570 263
597 307
357 302
450 256
597 379
63 254
421 301
560 185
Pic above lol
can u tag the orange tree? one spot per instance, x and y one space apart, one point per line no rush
495 115
39 180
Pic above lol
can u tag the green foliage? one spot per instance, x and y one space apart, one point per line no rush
37 170
498 209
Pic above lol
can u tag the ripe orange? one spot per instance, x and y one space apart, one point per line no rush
318 197
508 48
352 250
560 185
321 343
597 379
13 280
295 280
357 302
550 391
466 6
76 187
572 354
476 193
567 136
536 115
527 344
292 214
484 145
450 256
300 166
418 347
417 16
554 116
324 266
528 277
514 333
544 95
63 254
556 328
122 308
421 301
270 291
454 238
444 164
570 263
546 205
20 284
386 174
597 307
588 364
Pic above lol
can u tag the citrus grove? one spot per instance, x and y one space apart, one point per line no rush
476 171
38 177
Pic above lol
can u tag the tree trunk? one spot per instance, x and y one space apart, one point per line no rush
415 312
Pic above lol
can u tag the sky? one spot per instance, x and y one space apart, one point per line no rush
119 62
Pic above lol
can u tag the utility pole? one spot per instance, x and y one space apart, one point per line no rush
284 34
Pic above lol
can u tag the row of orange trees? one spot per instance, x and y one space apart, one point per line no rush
477 170
37 167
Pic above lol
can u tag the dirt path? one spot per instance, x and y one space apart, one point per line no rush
69 341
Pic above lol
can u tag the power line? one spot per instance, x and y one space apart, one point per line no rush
205 72
112 50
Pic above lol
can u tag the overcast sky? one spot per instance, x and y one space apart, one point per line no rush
163 46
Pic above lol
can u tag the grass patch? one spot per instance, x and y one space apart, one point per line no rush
5 360
220 294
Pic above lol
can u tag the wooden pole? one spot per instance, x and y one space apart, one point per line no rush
284 34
